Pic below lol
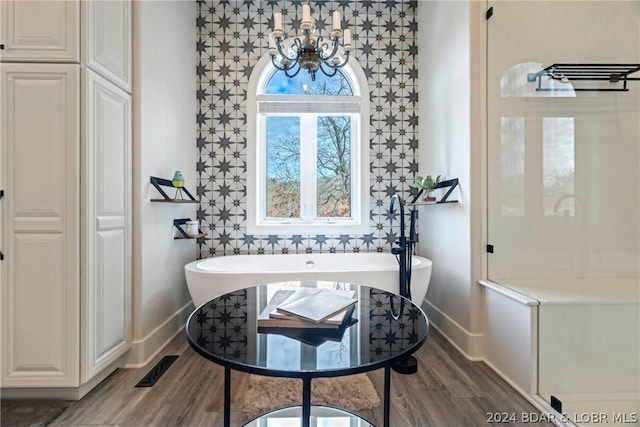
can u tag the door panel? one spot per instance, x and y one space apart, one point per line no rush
107 260
40 173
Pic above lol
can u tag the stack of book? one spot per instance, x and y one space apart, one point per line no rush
308 311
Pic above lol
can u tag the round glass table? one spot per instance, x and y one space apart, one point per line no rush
384 328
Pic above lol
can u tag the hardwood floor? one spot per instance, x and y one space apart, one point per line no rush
447 391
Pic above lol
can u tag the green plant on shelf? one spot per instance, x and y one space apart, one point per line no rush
427 184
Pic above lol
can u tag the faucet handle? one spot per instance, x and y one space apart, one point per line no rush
396 251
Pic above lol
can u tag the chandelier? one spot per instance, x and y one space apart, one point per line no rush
313 52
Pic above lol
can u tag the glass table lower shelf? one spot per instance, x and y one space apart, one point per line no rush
321 416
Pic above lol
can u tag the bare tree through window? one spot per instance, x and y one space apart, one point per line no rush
333 159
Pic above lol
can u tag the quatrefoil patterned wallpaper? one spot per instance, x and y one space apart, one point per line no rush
232 36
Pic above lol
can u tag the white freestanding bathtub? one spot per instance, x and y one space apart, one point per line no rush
577 340
212 277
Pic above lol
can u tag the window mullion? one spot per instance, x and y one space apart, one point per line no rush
356 171
308 166
261 169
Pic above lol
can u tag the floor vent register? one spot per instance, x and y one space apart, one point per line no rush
157 371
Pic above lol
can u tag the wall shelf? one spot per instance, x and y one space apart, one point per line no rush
174 201
453 183
423 203
190 237
178 223
161 182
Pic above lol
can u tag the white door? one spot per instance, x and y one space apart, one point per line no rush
106 231
40 176
39 31
107 40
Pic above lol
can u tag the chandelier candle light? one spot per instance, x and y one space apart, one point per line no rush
312 53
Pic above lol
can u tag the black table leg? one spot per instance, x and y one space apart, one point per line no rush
387 394
227 397
306 401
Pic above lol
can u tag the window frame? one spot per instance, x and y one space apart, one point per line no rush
259 106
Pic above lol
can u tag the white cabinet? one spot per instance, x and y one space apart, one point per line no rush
106 231
40 176
106 28
39 31
66 212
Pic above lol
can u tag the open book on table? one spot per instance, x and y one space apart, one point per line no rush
316 306
273 317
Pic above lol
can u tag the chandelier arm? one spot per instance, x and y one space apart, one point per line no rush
282 67
291 75
296 43
342 64
325 46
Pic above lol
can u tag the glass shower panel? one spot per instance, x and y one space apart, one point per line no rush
563 199
558 167
512 165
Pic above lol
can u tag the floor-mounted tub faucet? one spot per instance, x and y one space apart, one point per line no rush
401 251
404 255
404 250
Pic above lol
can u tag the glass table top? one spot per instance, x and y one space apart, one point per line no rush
384 328
321 416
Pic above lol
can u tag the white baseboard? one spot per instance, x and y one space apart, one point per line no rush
60 393
470 345
144 350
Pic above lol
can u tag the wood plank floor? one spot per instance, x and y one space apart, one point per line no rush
447 391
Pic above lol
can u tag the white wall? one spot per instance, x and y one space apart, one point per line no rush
164 114
449 145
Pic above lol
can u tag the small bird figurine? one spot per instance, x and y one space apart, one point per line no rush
178 179
178 182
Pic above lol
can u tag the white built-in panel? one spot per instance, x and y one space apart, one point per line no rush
40 283
107 40
40 31
107 222
510 336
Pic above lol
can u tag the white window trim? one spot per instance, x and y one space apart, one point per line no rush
359 223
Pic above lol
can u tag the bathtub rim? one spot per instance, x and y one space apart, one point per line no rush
193 266
206 284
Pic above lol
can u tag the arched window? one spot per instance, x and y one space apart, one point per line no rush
308 144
